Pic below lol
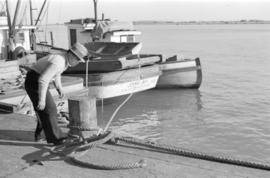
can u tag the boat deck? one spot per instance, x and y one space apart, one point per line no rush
21 157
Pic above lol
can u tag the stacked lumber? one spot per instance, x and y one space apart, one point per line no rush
11 79
9 69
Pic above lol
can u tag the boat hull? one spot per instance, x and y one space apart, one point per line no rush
119 83
110 64
180 74
119 89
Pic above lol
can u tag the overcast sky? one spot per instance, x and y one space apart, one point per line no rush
172 10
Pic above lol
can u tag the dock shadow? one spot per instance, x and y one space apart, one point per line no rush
21 138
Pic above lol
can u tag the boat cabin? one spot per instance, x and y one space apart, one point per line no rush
87 30
21 39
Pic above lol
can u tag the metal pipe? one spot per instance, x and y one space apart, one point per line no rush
40 12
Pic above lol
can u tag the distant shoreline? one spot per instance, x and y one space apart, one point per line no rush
150 22
154 22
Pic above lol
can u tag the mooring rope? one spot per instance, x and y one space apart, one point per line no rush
74 151
115 112
183 152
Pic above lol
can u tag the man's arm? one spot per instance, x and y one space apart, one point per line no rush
58 85
43 83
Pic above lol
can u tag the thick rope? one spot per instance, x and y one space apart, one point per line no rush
116 111
116 166
74 151
192 154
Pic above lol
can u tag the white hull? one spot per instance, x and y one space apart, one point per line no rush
180 74
123 88
113 84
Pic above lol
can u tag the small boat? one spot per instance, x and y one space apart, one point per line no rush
113 84
116 70
185 73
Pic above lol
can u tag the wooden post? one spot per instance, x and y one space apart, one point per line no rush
52 39
83 116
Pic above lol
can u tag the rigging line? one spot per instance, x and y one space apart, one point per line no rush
38 19
41 17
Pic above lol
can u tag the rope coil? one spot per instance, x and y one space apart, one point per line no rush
74 151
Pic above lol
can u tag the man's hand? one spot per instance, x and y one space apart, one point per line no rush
41 105
61 93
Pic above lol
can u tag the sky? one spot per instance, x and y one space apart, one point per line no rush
60 11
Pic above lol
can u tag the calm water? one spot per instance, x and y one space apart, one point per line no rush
229 114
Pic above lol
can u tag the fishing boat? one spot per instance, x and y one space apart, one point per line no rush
114 70
16 55
175 72
114 52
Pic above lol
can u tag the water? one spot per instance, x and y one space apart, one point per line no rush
230 112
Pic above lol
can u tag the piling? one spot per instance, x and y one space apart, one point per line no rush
83 116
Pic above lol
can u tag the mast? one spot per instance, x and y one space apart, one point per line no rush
8 16
31 12
40 12
95 13
95 10
15 17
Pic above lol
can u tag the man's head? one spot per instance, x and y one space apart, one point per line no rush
78 53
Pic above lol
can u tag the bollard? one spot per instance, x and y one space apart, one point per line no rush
82 116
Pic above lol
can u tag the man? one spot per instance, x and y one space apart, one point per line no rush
37 82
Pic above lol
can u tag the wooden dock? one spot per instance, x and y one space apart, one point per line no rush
22 157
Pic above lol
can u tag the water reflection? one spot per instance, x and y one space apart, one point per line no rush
153 114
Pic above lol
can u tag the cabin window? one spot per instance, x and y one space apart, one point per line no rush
123 38
130 38
19 38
